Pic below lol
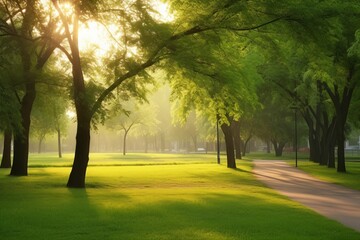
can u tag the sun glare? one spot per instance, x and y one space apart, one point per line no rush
94 36
70 114
163 11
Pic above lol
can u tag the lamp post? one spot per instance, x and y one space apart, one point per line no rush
294 107
217 139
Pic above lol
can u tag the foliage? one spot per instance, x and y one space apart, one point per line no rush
49 113
216 78
134 118
10 117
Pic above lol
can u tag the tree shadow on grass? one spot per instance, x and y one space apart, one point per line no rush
216 216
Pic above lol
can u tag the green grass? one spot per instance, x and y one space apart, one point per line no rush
178 201
118 159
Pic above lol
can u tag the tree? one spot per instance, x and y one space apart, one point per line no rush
142 31
9 122
154 41
274 122
132 116
9 107
17 27
219 84
49 114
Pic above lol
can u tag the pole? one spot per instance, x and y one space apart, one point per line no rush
217 139
296 140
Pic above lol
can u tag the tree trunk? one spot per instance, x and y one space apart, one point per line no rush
194 139
41 138
229 146
314 136
21 140
83 112
324 156
162 142
278 148
340 151
331 163
243 148
341 102
124 144
146 143
268 147
331 144
81 159
235 126
6 156
59 142
313 151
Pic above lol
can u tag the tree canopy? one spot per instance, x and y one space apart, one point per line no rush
217 55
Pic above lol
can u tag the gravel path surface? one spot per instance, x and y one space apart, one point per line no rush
333 201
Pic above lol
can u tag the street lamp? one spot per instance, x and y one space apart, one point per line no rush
217 139
294 107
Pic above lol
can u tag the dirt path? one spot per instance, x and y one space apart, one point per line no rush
332 201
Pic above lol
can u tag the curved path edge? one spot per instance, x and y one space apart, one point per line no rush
333 201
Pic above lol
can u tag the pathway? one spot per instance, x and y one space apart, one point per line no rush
333 201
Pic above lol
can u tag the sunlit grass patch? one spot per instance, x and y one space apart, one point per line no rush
118 159
169 201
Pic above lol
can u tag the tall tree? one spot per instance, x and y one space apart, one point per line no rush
9 122
9 107
23 25
221 84
142 30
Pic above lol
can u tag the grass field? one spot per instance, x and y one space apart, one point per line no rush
153 197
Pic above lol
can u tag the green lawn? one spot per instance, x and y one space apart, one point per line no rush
118 159
190 198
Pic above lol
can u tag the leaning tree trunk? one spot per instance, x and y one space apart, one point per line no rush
83 109
6 156
229 146
81 158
